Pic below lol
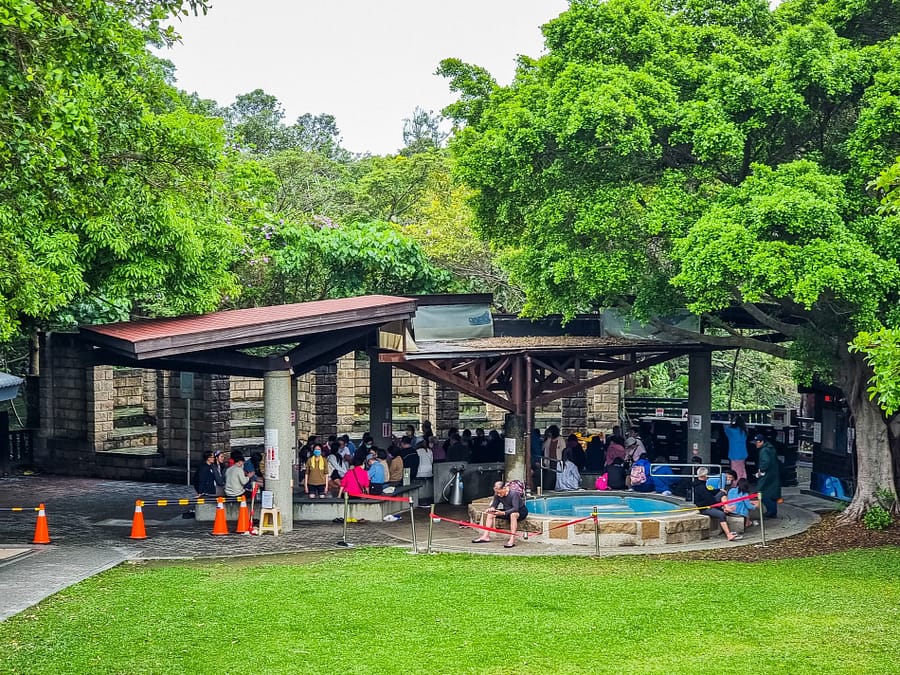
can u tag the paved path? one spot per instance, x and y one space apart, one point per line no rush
90 520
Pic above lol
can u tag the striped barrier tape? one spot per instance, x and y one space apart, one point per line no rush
20 508
189 502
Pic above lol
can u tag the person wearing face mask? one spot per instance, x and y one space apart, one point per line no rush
366 449
316 478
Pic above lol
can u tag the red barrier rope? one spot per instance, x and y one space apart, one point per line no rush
732 501
386 498
572 522
476 526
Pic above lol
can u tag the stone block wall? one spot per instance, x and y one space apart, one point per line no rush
128 387
62 443
603 406
78 402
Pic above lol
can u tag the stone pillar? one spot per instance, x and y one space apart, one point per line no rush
100 403
325 400
574 413
211 416
516 427
346 393
148 385
426 402
446 409
306 397
164 425
380 399
603 407
699 404
279 443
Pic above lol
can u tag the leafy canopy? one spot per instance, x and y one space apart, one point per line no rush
106 181
701 153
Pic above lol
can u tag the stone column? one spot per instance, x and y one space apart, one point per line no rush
516 427
346 393
211 416
574 413
426 402
325 400
380 399
278 433
699 404
100 402
446 409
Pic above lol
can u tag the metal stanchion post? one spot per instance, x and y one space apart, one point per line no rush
762 518
596 532
343 541
412 524
542 477
430 528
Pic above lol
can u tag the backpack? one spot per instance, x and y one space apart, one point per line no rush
516 486
638 475
602 482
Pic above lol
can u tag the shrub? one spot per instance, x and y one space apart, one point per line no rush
877 518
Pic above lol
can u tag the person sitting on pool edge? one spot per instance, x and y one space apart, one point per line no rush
704 497
507 503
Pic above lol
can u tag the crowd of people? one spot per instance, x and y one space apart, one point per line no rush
337 465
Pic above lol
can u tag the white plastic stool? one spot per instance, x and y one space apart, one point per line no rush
273 523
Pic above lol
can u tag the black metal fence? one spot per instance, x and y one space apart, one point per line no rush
637 407
16 449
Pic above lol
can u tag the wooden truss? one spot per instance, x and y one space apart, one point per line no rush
511 380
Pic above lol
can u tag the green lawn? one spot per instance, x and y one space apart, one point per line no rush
385 611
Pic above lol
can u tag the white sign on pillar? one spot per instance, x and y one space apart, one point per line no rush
696 422
273 464
509 446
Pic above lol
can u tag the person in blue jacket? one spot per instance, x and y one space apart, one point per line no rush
736 432
661 474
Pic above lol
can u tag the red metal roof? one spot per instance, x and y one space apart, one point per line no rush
257 325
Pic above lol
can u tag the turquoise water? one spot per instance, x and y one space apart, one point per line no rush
578 506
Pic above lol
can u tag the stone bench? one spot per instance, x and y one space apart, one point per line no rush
369 509
329 508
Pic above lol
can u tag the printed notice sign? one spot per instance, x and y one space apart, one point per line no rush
509 446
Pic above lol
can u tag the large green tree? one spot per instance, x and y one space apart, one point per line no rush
107 183
709 154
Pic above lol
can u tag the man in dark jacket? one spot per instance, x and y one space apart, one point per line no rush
204 478
768 478
705 498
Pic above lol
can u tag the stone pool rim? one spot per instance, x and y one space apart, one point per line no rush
660 528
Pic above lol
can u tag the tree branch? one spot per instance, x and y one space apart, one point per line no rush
733 341
791 330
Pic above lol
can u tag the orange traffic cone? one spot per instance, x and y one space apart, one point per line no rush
41 532
220 525
243 524
137 523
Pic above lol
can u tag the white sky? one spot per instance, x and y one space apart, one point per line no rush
367 62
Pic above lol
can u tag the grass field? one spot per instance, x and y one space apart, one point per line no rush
385 611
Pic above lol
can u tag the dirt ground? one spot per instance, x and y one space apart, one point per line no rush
828 536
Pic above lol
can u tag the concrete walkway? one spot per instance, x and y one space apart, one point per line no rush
90 520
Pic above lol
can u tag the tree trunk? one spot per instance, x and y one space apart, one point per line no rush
874 462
